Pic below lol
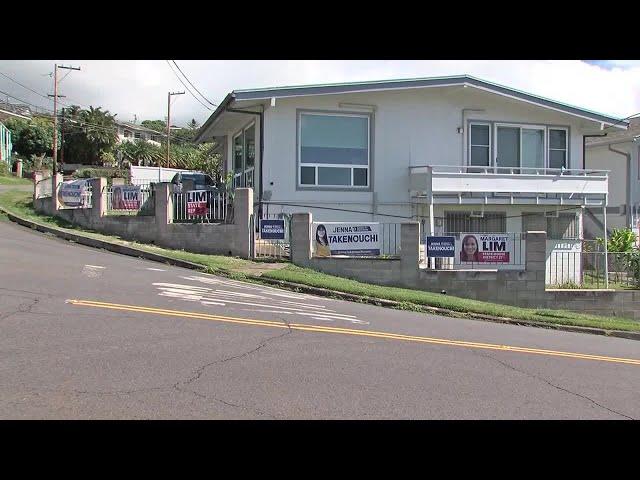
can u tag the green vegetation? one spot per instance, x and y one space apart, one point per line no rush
19 203
14 181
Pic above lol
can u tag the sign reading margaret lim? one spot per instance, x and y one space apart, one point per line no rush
352 239
485 248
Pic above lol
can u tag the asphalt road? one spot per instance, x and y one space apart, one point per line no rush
93 335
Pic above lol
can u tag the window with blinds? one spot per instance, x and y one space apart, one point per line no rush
491 222
564 227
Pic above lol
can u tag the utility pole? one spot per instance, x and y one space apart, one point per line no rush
55 113
62 139
168 128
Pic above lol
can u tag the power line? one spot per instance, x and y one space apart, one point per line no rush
185 86
190 83
622 120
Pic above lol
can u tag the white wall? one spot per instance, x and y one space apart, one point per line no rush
410 127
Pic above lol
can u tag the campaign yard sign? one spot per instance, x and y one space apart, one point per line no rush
271 229
197 202
125 197
441 247
352 239
73 194
485 248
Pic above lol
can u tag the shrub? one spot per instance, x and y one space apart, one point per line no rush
5 171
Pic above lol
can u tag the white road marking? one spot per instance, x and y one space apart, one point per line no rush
156 269
92 271
263 299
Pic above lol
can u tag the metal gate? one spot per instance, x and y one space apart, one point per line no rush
269 248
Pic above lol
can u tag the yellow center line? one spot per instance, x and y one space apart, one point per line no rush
350 331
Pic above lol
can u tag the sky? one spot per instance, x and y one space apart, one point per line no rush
137 89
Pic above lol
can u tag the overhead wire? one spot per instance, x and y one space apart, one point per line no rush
191 83
185 86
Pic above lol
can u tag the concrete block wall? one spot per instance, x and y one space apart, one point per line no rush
226 239
510 287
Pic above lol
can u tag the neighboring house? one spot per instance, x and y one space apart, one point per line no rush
14 110
455 153
5 144
618 152
128 132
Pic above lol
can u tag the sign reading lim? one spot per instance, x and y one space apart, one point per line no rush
125 197
197 202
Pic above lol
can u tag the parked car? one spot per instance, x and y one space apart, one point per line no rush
194 181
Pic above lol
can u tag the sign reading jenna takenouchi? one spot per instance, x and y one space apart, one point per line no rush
351 239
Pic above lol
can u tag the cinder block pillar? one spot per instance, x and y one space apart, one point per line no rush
56 180
409 251
242 211
301 238
19 168
98 197
163 205
536 260
37 187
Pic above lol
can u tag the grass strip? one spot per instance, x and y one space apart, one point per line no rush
19 203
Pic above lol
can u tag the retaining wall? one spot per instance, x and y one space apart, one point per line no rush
519 288
221 239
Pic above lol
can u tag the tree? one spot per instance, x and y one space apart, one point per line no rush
193 125
90 135
140 152
157 125
33 137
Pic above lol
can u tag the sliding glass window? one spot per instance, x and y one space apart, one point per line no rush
334 150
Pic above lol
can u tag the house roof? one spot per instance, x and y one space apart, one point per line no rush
16 109
624 136
398 84
133 126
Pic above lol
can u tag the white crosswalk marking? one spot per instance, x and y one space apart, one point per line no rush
262 299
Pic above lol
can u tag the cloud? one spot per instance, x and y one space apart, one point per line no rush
139 88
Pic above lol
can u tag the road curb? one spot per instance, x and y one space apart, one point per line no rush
450 313
134 252
102 244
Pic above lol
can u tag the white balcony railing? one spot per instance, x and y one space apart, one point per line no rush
426 180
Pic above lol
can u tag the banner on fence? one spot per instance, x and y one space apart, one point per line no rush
271 229
484 248
197 202
73 194
354 239
125 197
441 247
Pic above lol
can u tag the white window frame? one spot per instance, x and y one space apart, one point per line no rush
566 145
241 176
316 185
482 124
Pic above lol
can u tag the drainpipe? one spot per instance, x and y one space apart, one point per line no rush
584 148
261 117
628 207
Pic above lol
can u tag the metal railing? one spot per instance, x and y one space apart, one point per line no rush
146 204
515 246
271 248
588 270
217 205
510 170
390 239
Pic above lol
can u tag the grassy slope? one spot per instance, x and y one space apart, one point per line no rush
14 181
20 204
